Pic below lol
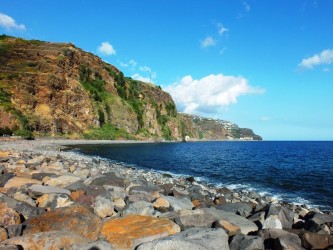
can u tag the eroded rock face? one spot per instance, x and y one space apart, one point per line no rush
133 230
77 218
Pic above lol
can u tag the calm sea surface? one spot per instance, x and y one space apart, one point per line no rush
299 172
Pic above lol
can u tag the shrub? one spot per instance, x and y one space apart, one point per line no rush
26 134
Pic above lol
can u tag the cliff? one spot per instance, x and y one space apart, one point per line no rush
57 89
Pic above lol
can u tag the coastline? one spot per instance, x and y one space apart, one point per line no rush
123 192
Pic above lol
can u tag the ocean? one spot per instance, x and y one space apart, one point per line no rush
299 172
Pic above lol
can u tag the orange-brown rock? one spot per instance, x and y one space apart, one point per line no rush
77 194
161 203
17 182
46 240
196 203
8 216
4 154
3 234
132 230
77 218
230 228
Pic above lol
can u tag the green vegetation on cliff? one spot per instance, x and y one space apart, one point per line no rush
57 89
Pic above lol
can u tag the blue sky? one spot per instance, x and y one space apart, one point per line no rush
266 65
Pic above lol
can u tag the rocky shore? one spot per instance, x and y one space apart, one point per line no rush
51 199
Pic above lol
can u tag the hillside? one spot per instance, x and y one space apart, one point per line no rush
57 89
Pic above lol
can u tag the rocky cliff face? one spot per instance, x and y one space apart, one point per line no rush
57 89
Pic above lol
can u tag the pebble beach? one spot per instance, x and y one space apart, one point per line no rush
51 198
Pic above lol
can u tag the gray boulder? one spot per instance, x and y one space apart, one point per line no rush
5 177
194 218
285 215
246 226
280 239
140 207
191 239
245 242
241 208
38 190
110 179
179 203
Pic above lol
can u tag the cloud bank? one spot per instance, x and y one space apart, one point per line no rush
210 93
106 49
9 23
323 58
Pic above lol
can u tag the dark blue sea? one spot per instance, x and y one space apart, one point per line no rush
299 172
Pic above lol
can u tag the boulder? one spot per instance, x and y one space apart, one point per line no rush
281 239
41 176
19 196
179 203
4 178
315 222
245 242
46 240
194 218
103 206
228 227
8 216
285 215
22 208
82 173
38 190
161 204
240 208
133 230
140 208
110 179
97 245
36 160
191 239
272 222
258 218
77 218
3 234
246 226
316 241
18 182
62 181
53 201
14 230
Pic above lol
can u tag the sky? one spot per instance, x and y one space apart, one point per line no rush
265 65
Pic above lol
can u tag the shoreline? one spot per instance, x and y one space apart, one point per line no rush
113 192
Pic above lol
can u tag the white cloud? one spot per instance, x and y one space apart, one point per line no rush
106 49
221 29
122 64
324 57
145 69
141 78
9 23
208 41
132 62
210 93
